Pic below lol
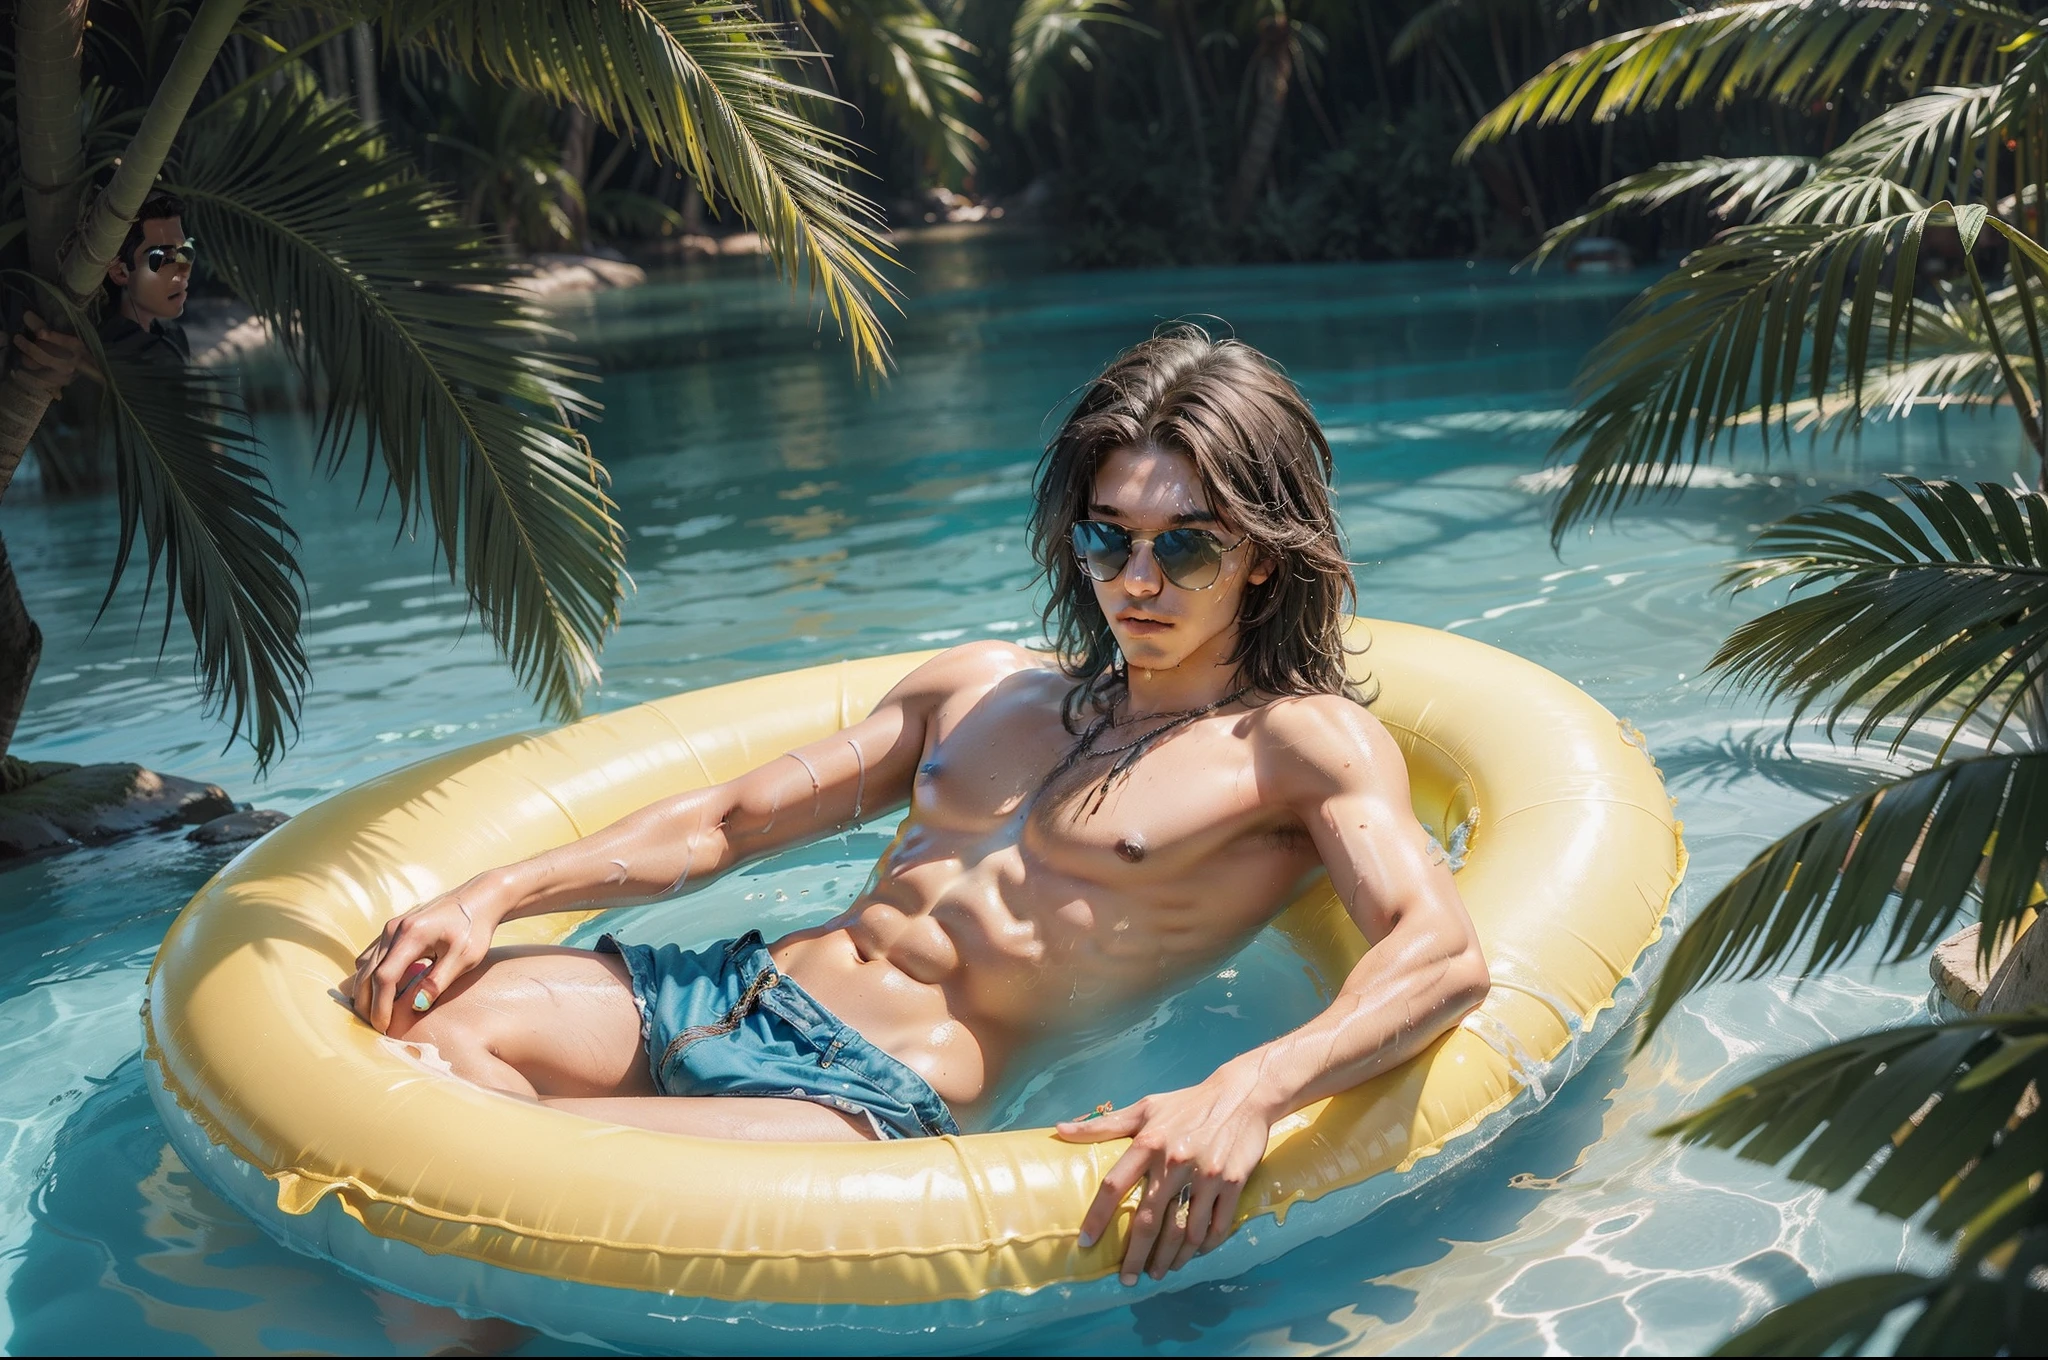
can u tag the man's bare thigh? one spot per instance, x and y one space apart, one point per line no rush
538 1020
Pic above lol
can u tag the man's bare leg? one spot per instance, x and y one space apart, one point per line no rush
559 1026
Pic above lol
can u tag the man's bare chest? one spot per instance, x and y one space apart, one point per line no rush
1191 802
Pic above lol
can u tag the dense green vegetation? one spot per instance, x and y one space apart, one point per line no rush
1903 266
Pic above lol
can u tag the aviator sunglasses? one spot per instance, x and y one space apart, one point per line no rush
1190 558
156 257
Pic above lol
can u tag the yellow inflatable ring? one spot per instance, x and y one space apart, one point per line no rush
345 1145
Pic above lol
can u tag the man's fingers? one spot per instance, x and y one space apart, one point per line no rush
1128 1171
386 979
1100 1128
1146 1223
451 965
1201 1207
1224 1217
1176 1217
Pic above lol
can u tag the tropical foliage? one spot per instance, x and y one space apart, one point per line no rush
1901 266
386 289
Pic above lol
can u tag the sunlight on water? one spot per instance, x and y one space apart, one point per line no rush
781 515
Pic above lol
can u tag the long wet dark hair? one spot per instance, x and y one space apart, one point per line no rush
1266 467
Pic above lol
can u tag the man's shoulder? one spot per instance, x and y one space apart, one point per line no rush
977 666
1326 738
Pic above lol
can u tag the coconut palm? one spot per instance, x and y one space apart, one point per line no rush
427 365
1924 608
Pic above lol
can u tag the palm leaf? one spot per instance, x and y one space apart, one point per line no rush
1682 362
1739 185
704 82
1792 51
1759 318
1933 145
1941 598
1823 888
1836 1319
402 317
1048 35
915 63
1943 1112
190 488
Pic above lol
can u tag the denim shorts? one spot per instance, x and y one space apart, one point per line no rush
725 1021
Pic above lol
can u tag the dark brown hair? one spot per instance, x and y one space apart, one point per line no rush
1266 467
158 204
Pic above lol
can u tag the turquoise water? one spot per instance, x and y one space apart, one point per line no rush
782 514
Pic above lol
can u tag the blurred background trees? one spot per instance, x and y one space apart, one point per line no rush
1137 131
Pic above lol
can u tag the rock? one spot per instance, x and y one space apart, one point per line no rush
553 275
2020 982
238 826
97 802
2015 979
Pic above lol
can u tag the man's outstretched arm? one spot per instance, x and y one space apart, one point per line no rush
1342 773
664 848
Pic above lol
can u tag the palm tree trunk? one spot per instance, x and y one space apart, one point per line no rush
82 263
49 37
1186 67
577 143
1275 74
21 647
362 46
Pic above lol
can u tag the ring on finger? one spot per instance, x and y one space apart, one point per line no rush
1181 1202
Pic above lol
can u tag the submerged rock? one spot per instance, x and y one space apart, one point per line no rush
74 804
246 825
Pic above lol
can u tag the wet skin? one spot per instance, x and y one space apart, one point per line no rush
1004 910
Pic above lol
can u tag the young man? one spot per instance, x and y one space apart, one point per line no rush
147 281
1085 829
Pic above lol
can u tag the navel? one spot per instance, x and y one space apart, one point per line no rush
1131 848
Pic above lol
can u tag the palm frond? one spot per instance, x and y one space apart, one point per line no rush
1836 1319
190 488
708 84
1766 314
1738 185
1048 35
916 63
1823 887
1681 364
2025 88
1788 50
1835 199
1933 144
1943 1110
1942 597
403 317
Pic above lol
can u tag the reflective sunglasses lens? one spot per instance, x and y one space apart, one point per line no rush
1190 558
1102 548
158 256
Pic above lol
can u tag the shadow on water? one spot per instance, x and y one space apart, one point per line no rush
128 1253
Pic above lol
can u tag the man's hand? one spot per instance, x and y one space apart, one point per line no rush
453 931
1204 1140
51 359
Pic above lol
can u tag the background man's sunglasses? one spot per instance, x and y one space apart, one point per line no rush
155 257
1190 558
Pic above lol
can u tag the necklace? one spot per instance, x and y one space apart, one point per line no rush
1174 721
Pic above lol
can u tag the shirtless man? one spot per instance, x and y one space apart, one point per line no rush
1095 824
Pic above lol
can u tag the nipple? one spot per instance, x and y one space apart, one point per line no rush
1131 848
